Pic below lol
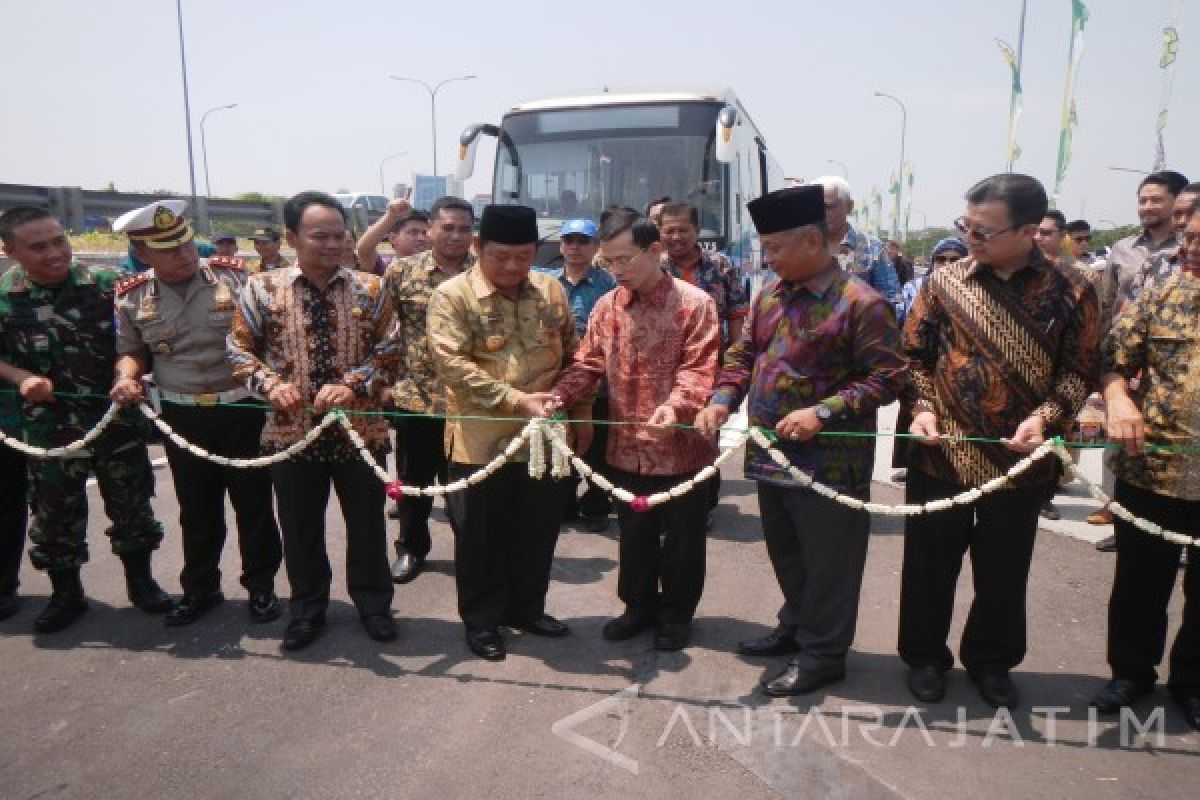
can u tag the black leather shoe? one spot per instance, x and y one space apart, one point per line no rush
407 567
192 607
928 684
672 636
1190 706
796 680
59 613
8 605
779 642
301 633
380 627
487 644
1107 545
626 626
264 607
144 592
545 625
1117 694
997 690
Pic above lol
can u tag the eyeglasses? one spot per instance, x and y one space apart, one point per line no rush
948 258
624 261
962 227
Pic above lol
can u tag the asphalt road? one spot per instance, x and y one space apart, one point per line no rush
119 706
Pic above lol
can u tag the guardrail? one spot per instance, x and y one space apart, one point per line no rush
73 205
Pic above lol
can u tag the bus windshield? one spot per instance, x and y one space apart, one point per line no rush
577 162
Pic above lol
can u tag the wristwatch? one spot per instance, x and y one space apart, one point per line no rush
823 412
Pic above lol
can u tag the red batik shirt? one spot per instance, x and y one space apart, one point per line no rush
655 348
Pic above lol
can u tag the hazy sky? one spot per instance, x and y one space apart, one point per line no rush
93 92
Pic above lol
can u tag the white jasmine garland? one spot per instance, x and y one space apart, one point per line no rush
541 434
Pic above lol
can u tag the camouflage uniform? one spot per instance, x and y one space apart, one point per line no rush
67 335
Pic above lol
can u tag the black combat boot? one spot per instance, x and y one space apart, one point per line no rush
66 603
144 592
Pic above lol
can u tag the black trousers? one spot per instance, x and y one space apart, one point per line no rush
595 502
301 495
505 529
675 560
998 531
14 516
200 488
818 549
420 458
1145 578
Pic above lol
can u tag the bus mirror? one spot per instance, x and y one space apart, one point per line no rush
467 142
727 118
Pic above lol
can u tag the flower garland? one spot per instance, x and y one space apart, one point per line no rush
638 502
1119 510
397 490
241 463
550 434
74 448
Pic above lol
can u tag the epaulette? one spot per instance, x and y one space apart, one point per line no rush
228 262
126 285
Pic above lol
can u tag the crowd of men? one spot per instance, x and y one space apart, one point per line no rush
992 351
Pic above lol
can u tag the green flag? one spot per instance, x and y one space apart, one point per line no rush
1015 100
1070 117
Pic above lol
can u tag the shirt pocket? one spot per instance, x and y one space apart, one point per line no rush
26 336
1170 352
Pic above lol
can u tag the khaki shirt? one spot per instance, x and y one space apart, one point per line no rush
279 263
181 336
409 283
487 349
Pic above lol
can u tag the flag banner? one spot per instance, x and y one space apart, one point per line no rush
1015 101
1166 62
1079 18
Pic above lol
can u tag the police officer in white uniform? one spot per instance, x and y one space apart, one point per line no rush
172 321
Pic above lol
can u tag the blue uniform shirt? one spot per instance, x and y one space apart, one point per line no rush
582 296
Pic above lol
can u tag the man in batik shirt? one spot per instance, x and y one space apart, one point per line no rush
1156 341
312 338
819 354
655 339
1002 345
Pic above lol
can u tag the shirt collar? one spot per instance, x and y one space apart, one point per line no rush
817 286
343 274
657 296
430 264
482 287
1036 261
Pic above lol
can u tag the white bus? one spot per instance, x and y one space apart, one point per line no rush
576 156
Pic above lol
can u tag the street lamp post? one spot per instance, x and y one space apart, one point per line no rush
842 164
383 186
187 108
433 90
204 144
903 136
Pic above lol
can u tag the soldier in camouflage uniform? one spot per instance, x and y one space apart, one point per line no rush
14 510
57 343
